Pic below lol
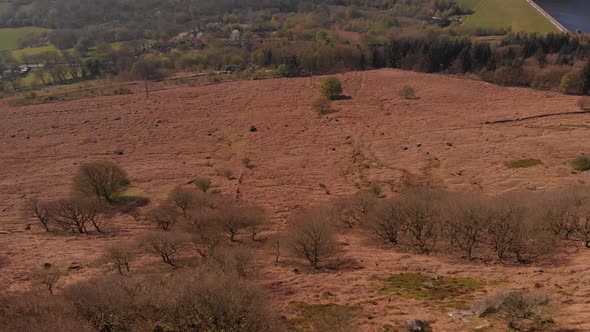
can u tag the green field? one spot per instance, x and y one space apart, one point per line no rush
498 14
32 51
9 37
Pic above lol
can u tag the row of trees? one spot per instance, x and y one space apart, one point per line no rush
523 228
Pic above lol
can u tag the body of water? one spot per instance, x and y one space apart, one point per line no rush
573 14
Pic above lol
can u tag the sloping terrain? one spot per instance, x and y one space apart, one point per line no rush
372 137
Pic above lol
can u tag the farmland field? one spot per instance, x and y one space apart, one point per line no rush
498 14
9 37
32 51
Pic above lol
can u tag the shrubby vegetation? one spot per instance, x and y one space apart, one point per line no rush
193 270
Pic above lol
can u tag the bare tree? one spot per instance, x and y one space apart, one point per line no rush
218 303
231 219
312 237
352 210
423 219
120 257
388 219
468 223
39 211
560 211
186 199
164 216
505 214
102 179
206 234
529 241
254 220
164 245
76 213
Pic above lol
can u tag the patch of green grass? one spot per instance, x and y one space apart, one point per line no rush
581 164
32 51
499 14
523 163
312 311
417 286
9 36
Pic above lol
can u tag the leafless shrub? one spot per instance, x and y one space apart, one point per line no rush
233 218
184 198
40 211
523 305
561 211
205 232
311 237
529 241
49 277
33 312
165 245
352 210
218 303
254 220
388 219
101 179
109 304
120 257
232 261
76 214
467 224
164 216
423 219
505 214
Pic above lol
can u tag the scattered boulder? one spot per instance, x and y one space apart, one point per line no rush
419 145
403 148
55 126
117 118
119 152
253 129
483 325
416 325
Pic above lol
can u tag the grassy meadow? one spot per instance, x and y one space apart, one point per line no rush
497 14
9 37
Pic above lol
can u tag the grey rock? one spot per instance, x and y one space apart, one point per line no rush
416 325
482 326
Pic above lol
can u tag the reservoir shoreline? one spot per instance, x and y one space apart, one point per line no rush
555 22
